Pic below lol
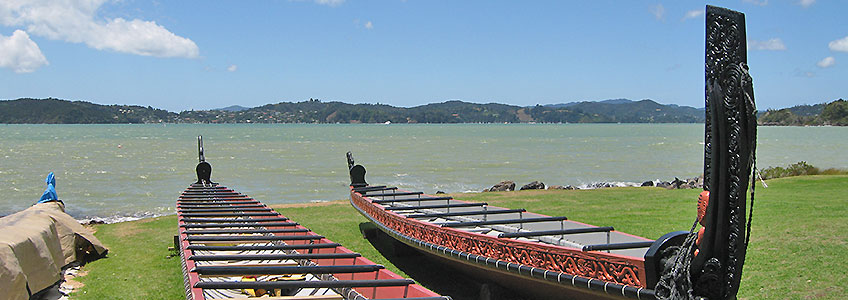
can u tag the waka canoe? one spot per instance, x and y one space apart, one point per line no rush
552 257
233 246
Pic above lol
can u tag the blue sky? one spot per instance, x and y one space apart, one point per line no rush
181 55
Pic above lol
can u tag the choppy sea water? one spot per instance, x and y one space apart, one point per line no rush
131 171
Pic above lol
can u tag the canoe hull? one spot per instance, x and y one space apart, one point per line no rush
544 283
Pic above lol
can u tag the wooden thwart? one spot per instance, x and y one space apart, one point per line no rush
234 270
303 284
556 232
381 201
468 213
503 222
420 207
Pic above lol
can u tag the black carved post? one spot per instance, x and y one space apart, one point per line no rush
357 172
708 264
730 141
203 169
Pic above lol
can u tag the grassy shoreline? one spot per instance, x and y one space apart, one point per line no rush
799 239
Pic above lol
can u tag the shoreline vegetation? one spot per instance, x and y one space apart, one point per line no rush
799 234
314 111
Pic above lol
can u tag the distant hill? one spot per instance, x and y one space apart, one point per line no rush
619 110
608 101
316 111
55 111
833 113
233 108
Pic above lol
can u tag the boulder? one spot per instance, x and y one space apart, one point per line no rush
600 185
571 187
664 184
692 182
439 192
648 183
535 185
676 183
503 186
556 187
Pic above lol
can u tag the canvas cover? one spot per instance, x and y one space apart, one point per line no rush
34 246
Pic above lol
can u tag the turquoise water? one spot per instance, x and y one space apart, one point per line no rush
139 170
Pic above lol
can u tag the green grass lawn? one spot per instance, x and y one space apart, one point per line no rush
797 251
138 265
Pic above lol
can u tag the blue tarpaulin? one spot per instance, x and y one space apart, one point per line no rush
50 192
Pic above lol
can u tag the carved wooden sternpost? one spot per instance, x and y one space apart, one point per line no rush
709 264
730 142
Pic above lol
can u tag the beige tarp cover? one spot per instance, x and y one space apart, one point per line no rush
34 246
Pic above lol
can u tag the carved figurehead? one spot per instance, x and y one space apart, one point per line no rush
203 169
357 172
708 265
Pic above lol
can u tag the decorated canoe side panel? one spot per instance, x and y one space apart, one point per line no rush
608 268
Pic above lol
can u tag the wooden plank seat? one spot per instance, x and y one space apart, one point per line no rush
289 263
252 238
222 220
502 222
394 194
239 231
373 188
217 203
229 209
274 256
303 284
264 247
222 225
555 232
208 198
436 206
231 214
467 213
381 201
282 270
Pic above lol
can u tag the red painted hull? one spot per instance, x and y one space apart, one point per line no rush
196 196
543 270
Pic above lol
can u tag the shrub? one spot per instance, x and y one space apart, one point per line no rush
798 169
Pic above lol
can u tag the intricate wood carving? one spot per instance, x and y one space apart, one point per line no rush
709 265
602 266
732 141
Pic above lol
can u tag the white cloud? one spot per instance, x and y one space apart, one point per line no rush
757 2
369 25
658 11
826 62
77 22
19 53
693 14
806 3
232 68
330 2
840 45
774 44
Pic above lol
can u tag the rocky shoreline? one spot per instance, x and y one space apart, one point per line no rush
677 183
